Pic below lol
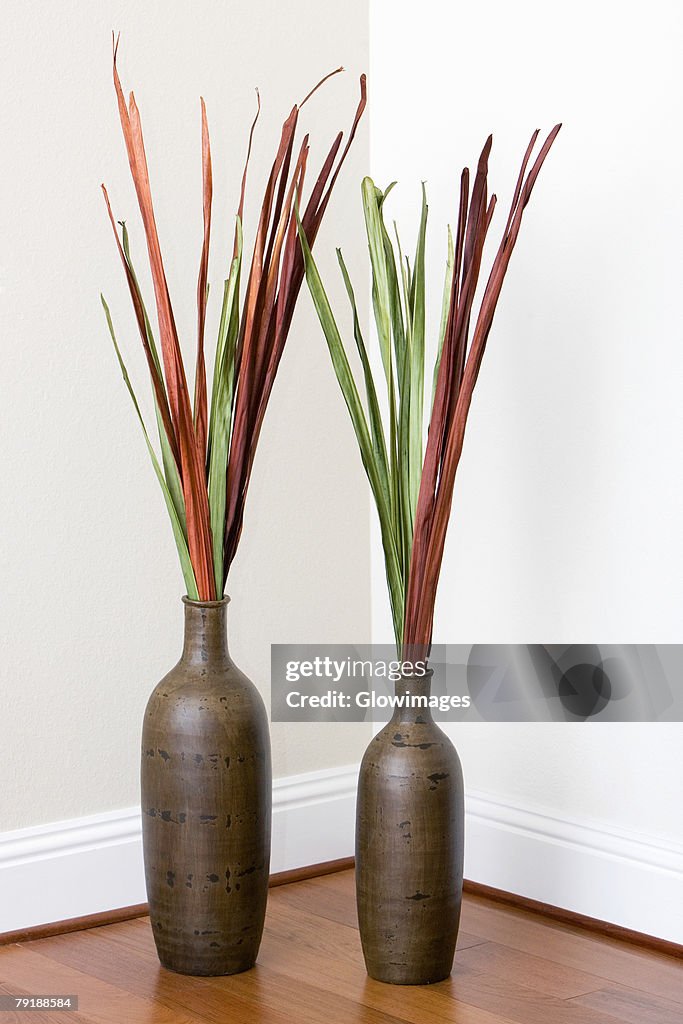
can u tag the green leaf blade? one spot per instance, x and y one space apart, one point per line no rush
176 525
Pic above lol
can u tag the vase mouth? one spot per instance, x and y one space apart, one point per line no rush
206 604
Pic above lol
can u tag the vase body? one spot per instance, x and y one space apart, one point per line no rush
409 847
206 805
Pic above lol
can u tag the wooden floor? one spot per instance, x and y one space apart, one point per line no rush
511 966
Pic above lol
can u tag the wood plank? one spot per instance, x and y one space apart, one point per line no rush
632 1006
334 899
99 1002
326 981
25 1016
308 1002
130 963
347 978
606 958
518 1002
552 913
515 968
255 995
535 972
548 913
328 903
308 932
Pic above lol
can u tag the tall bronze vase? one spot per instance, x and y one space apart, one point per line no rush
409 847
206 803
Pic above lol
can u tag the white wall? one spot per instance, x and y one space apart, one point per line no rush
567 508
90 587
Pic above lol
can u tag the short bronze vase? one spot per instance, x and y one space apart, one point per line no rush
206 803
409 846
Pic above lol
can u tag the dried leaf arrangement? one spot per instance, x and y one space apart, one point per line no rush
207 447
413 486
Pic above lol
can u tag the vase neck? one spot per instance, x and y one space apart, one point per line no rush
206 632
414 686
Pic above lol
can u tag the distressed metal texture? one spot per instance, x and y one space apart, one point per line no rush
206 801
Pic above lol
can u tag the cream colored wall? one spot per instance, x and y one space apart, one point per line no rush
91 613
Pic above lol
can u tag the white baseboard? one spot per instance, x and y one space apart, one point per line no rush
314 818
624 878
89 865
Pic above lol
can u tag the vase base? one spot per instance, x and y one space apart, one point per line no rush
205 970
400 974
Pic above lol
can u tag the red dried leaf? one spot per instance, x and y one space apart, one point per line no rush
455 385
270 311
274 279
192 465
200 399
